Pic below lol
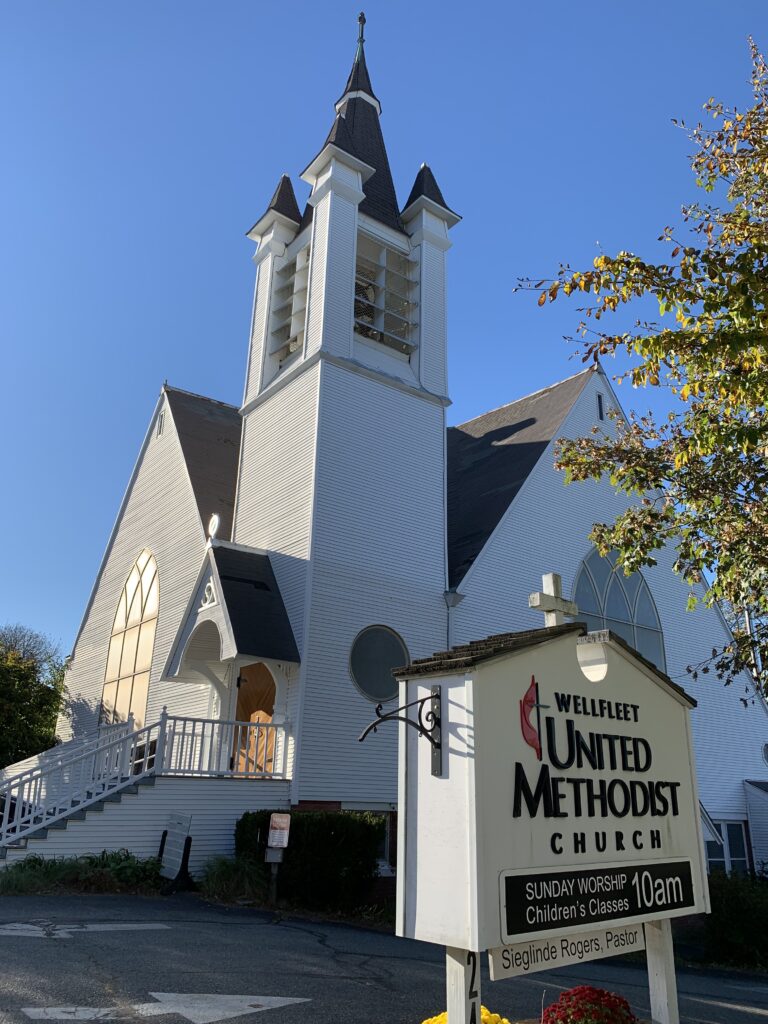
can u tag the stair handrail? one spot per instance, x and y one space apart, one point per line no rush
60 750
85 747
39 811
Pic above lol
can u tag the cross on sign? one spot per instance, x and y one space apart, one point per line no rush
550 600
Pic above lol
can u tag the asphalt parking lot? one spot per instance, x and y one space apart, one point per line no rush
128 958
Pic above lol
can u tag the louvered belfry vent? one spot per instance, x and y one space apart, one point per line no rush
289 308
386 287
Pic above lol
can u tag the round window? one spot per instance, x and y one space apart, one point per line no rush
376 650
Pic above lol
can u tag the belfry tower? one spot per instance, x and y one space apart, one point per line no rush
342 466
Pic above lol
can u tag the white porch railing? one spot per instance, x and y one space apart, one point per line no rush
196 747
208 747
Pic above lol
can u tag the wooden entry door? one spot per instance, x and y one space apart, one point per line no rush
254 748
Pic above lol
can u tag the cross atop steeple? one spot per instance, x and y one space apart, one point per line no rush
550 600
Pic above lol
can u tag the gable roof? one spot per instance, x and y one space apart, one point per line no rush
466 656
260 624
489 460
458 659
209 435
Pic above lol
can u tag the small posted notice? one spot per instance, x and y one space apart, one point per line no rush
279 827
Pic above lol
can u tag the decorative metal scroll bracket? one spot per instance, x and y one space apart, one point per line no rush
427 723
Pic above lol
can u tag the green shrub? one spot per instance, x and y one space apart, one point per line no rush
231 880
737 929
108 871
331 860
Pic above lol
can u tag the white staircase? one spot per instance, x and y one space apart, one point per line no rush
103 768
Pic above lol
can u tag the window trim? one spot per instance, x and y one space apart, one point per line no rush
358 687
722 828
615 577
118 633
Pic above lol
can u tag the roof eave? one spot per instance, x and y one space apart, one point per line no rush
424 203
271 217
333 152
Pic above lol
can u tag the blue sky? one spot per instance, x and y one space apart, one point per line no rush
142 139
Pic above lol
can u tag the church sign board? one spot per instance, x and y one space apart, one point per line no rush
566 811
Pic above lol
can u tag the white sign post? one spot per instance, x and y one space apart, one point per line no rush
562 824
462 985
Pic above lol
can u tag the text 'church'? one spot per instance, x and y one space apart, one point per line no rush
271 564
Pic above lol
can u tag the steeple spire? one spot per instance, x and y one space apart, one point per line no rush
357 131
359 81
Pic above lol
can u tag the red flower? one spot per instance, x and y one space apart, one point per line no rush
588 1005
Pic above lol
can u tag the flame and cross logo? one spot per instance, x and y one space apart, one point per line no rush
531 702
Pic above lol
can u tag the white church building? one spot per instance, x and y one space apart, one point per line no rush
271 564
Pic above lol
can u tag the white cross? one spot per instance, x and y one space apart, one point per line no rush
550 600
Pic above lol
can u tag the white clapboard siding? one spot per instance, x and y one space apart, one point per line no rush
546 530
378 557
137 821
159 512
259 327
757 814
330 301
275 489
432 355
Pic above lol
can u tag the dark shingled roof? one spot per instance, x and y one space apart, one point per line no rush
489 460
260 624
363 139
283 201
425 185
209 434
357 131
359 80
460 658
340 136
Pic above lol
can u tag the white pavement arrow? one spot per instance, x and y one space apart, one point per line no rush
199 1008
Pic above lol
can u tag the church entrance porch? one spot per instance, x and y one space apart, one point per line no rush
244 730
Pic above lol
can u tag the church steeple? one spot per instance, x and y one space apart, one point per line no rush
357 131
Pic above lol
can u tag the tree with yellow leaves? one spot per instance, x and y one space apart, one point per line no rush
701 475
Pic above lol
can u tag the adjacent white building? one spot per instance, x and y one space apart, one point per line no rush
270 565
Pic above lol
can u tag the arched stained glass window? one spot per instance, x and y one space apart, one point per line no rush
608 599
126 680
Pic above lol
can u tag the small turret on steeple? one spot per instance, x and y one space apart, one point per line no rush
426 191
282 206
